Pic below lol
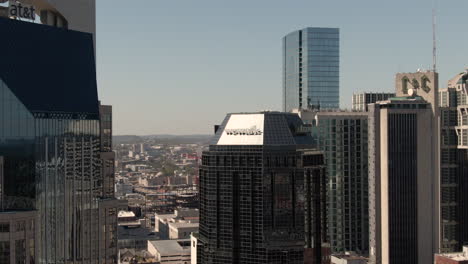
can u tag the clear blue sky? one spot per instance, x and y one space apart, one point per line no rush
178 66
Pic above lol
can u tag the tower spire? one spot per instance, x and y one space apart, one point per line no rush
434 40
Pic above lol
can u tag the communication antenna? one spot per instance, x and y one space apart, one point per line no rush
434 40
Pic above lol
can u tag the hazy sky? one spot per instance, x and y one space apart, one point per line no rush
178 66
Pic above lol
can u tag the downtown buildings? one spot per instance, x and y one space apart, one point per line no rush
418 170
342 137
311 60
57 195
261 192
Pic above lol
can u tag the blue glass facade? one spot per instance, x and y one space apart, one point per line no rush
311 65
50 141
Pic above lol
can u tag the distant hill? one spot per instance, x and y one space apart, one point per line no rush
131 139
163 139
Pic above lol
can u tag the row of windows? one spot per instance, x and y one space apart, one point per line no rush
324 74
323 42
323 79
315 63
316 35
19 226
324 83
323 68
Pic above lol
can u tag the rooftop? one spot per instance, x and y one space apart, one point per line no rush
458 256
261 128
172 247
126 214
165 216
183 224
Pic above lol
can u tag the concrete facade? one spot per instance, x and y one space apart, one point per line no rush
402 176
193 248
17 238
170 251
182 230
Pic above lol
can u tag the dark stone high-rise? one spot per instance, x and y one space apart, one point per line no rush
55 189
253 202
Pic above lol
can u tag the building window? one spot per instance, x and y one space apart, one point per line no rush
4 227
5 252
31 251
20 251
20 226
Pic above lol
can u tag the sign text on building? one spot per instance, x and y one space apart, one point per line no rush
253 131
18 10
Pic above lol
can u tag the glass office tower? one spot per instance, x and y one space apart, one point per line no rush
50 140
311 69
261 182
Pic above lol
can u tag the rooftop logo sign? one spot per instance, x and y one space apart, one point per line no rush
243 129
252 131
18 10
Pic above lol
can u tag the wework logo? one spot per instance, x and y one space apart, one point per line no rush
253 131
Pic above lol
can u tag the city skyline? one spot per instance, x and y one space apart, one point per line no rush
264 132
197 73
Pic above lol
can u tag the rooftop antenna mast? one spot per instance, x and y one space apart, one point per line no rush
434 40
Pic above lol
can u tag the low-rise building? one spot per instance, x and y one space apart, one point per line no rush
453 258
170 251
182 230
160 224
133 233
183 215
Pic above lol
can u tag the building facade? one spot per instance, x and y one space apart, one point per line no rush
342 137
252 190
311 63
404 172
317 248
360 101
50 140
454 163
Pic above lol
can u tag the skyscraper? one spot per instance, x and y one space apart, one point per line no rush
360 101
52 139
403 172
252 197
342 137
453 226
311 60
